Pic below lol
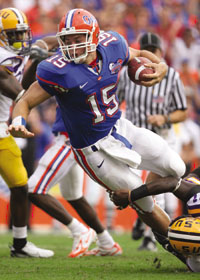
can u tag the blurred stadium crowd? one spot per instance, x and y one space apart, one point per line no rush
176 21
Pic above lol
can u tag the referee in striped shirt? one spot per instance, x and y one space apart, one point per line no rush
155 108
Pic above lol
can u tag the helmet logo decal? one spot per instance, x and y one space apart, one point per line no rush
5 15
88 20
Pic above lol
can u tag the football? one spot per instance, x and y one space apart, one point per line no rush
136 69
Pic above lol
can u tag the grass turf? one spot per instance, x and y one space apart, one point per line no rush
131 265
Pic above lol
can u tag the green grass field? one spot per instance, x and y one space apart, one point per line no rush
132 264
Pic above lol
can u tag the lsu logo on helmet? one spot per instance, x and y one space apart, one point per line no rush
184 235
15 34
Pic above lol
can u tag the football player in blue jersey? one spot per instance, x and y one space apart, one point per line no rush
83 77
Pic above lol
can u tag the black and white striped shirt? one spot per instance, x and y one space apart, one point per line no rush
163 98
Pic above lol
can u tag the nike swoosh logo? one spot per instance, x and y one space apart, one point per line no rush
82 86
99 166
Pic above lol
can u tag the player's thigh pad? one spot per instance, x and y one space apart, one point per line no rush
11 165
155 152
52 167
71 185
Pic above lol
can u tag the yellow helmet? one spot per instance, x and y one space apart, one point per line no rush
15 34
184 235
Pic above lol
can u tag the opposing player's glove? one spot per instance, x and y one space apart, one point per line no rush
37 53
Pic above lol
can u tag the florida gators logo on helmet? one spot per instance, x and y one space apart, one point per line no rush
15 34
184 235
81 22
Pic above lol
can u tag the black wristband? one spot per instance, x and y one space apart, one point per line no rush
139 192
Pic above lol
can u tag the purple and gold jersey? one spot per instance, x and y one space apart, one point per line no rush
13 64
87 98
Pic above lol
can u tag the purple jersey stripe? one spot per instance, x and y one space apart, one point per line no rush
192 207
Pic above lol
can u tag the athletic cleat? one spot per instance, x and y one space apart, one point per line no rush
30 250
148 245
138 229
82 243
115 250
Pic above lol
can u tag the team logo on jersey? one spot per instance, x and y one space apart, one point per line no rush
115 67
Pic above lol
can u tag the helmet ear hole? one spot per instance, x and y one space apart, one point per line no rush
184 235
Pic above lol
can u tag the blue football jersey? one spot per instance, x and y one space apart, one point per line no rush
58 125
87 99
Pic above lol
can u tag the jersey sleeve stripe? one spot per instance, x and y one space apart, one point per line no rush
46 81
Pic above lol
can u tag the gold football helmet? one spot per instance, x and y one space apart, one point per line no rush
15 34
184 235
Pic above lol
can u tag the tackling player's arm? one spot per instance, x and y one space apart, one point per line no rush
32 97
40 50
159 66
123 198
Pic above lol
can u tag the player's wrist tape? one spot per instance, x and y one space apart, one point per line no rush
138 193
20 95
19 121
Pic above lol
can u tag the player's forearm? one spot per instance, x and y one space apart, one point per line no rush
150 56
143 53
177 116
159 186
48 43
21 109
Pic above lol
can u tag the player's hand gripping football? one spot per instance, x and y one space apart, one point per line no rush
119 198
19 131
160 71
